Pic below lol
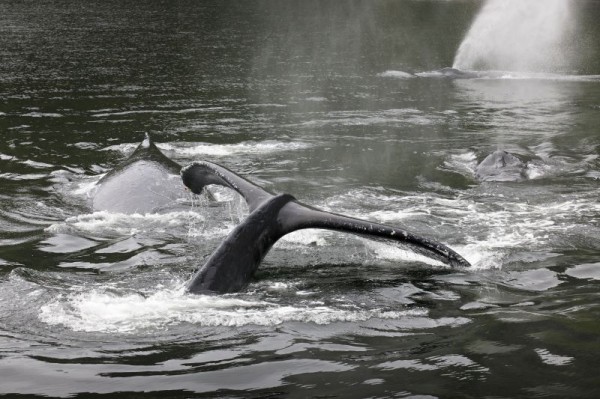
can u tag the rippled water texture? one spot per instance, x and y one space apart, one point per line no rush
346 106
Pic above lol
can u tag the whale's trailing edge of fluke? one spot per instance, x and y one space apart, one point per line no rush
234 262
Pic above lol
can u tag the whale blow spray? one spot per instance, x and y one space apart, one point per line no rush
518 35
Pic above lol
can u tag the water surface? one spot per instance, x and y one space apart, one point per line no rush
341 106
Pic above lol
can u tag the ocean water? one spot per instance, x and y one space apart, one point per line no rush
346 107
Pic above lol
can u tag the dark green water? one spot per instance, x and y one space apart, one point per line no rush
335 103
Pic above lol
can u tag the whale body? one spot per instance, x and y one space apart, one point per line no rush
449 73
232 265
454 73
500 166
146 182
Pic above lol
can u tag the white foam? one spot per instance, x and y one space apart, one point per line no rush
100 311
481 256
389 216
463 163
305 237
541 76
394 253
544 76
87 187
248 147
126 224
491 75
218 150
495 226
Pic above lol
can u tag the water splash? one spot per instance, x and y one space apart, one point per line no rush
518 35
100 310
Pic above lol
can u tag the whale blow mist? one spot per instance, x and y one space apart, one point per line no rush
519 35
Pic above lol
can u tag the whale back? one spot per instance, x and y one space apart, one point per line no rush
145 182
500 166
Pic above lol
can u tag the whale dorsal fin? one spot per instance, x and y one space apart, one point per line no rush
147 181
145 151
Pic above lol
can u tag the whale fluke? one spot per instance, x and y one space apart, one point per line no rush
200 174
234 262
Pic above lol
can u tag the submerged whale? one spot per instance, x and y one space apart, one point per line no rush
454 73
500 166
449 73
233 263
146 182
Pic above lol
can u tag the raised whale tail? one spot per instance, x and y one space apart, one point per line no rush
233 263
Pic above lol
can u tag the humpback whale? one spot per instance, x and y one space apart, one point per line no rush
500 166
233 263
144 183
449 73
454 73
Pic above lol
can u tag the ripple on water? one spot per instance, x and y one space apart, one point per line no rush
552 359
585 271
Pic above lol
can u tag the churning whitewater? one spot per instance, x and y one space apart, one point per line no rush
473 124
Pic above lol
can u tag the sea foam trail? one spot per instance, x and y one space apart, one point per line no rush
219 150
518 35
102 311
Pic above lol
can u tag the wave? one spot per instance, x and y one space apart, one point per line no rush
22 176
400 116
219 150
499 229
103 311
110 112
126 224
222 150
43 115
